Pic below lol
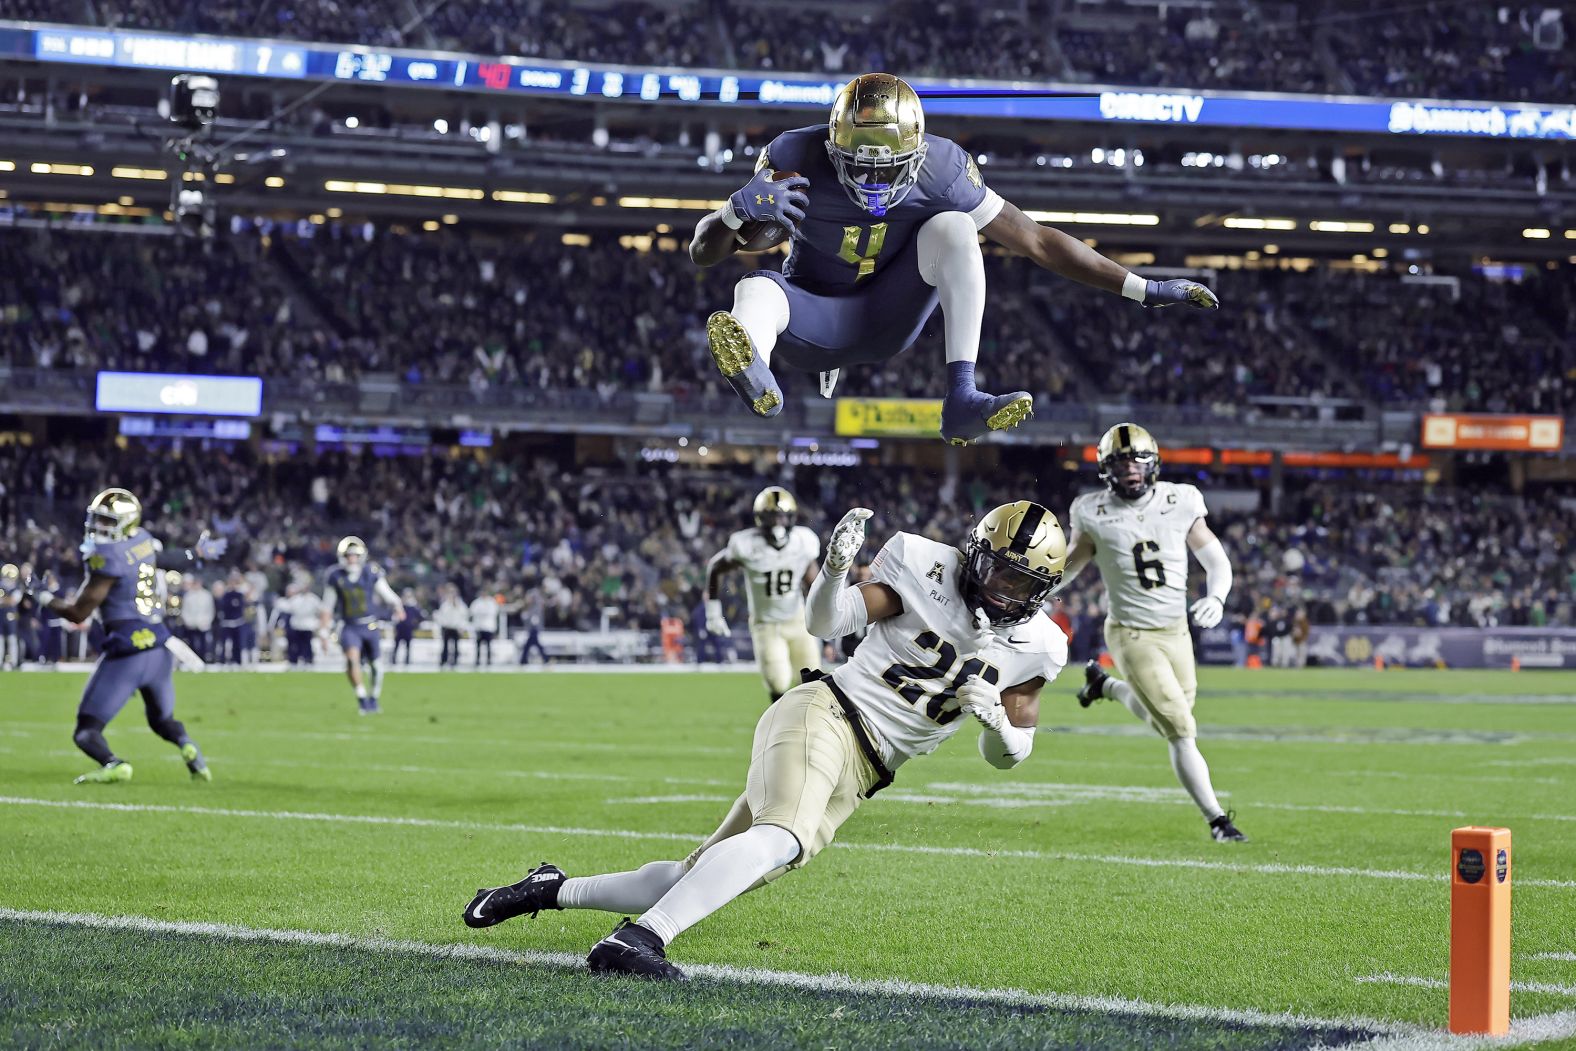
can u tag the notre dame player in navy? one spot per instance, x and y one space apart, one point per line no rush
884 221
122 561
356 589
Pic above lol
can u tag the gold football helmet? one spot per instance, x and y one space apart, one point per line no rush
775 509
1128 442
352 547
1014 560
10 573
113 515
876 139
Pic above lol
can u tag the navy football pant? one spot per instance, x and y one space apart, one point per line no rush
111 685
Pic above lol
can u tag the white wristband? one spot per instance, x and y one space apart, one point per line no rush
1133 287
1007 747
729 217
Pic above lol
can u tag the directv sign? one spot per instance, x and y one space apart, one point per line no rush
192 395
973 98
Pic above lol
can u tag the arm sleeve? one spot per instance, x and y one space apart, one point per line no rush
386 593
330 599
1007 747
1217 569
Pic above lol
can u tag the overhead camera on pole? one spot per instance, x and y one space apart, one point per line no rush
193 103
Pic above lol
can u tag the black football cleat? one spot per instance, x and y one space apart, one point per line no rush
1224 831
538 891
634 950
1093 688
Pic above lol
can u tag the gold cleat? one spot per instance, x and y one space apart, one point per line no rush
744 370
730 344
1011 414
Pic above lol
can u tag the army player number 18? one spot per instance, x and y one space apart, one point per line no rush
1139 531
779 561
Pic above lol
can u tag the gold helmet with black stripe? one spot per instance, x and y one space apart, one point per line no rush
1013 561
775 512
1129 459
876 139
113 514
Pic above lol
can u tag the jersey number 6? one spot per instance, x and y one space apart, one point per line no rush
908 679
1151 573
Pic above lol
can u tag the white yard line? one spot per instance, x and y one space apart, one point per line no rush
720 972
1564 957
1271 869
1386 978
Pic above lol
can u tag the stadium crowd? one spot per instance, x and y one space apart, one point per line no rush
618 548
531 313
1499 51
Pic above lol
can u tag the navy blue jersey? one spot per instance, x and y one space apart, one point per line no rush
839 244
357 601
232 607
133 612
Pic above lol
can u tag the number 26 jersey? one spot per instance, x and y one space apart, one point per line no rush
905 674
1141 549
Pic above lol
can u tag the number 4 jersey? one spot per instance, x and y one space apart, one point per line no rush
774 573
1141 549
905 674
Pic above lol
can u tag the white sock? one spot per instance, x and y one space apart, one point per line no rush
762 308
361 693
377 678
1193 772
1118 690
631 892
723 872
950 261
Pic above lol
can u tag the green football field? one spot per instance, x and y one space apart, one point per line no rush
311 894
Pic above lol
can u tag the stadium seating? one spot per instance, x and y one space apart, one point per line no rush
1441 50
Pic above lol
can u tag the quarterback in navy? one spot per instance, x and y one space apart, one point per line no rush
885 222
123 586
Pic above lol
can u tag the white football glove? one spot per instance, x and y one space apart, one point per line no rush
848 536
1207 611
982 700
716 623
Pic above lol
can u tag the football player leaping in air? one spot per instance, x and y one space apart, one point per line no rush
354 588
1139 532
952 632
885 222
779 561
122 562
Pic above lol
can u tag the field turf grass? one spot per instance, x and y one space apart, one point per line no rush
1076 901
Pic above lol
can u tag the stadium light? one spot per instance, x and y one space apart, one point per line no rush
150 174
1340 226
45 168
522 197
1243 222
669 202
1095 218
1535 233
274 182
403 190
7 166
1570 235
1400 228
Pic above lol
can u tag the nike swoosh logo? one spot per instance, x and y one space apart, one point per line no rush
476 910
613 938
1011 639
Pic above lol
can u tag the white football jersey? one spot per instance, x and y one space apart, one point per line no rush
904 674
1141 549
774 573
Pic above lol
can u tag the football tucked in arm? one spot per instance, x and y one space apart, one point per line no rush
765 235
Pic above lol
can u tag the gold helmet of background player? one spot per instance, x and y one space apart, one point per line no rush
876 139
1128 442
10 573
775 510
1014 559
113 515
352 545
